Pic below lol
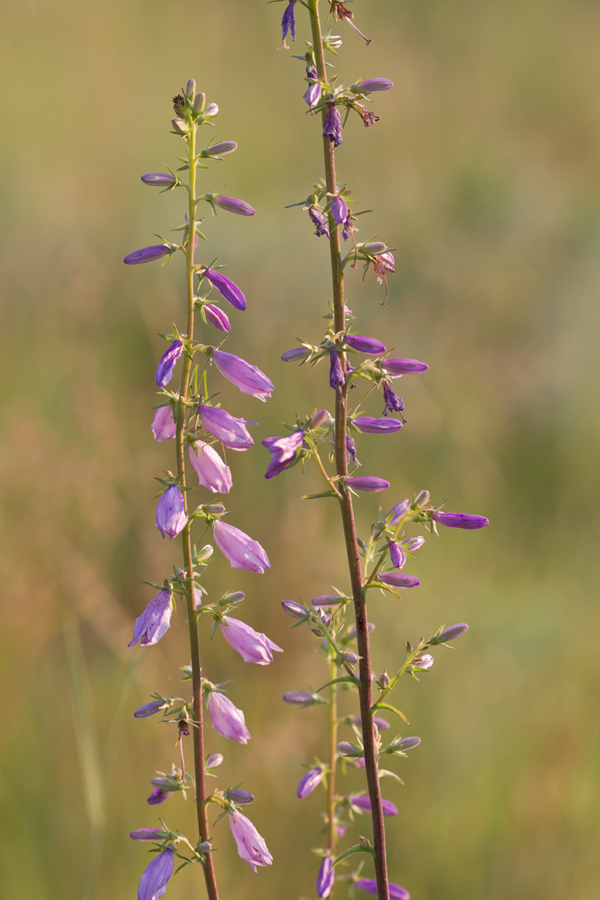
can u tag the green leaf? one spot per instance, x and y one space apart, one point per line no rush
358 848
318 496
383 773
378 706
347 678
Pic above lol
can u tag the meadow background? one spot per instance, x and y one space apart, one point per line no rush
484 172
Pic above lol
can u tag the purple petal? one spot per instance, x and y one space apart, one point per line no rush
166 366
369 886
154 621
369 425
253 646
339 210
156 876
163 424
460 520
147 254
216 317
227 719
248 378
226 288
170 514
212 472
326 877
399 579
364 803
250 845
226 428
397 555
283 451
364 344
241 551
310 781
367 483
404 366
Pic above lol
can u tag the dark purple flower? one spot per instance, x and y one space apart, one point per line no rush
450 633
393 403
226 428
333 125
147 254
336 373
233 205
397 512
364 344
368 425
295 354
249 379
149 834
369 886
326 877
227 719
367 483
241 551
250 845
299 698
397 555
283 451
400 580
310 781
170 514
158 796
220 149
149 709
216 317
226 288
166 366
253 646
460 520
155 878
154 621
349 227
313 94
317 218
239 796
351 450
288 23
159 179
339 210
364 803
163 424
212 472
404 366
370 85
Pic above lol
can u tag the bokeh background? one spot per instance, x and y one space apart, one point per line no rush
484 172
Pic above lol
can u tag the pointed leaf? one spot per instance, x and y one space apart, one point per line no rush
358 848
377 706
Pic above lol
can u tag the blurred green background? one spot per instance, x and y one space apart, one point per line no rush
484 172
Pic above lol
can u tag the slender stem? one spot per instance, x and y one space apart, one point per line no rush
198 729
341 461
331 830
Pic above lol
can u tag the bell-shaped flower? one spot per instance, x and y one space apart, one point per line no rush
250 845
166 366
283 451
226 428
227 719
241 551
399 580
249 379
460 520
310 781
226 288
369 886
233 205
154 621
369 425
170 514
147 254
163 424
364 344
325 877
364 804
216 316
404 366
212 472
155 878
253 646
367 483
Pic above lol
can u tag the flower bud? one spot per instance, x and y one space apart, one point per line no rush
351 657
422 499
449 634
149 834
300 698
199 102
374 248
397 513
220 149
460 520
216 316
424 662
214 761
149 709
327 600
348 749
319 417
295 610
179 126
370 85
404 366
190 88
240 797
407 743
159 179
211 110
385 680
295 354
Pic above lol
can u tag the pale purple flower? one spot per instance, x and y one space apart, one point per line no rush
369 425
226 428
319 418
399 579
214 761
283 451
397 513
293 609
397 555
166 366
179 125
170 514
212 472
149 709
233 205
383 263
211 110
424 662
339 210
249 379
239 796
147 254
159 179
226 288
364 803
333 125
450 633
407 743
253 646
460 520
220 149
217 317
241 551
404 366
227 719
393 403
313 94
163 424
367 483
370 85
155 878
317 218
288 23
369 886
148 834
364 344
348 749
250 845
299 698
310 781
154 621
413 544
326 877
295 354
336 373
158 796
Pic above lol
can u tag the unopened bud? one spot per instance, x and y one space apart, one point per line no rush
204 847
402 745
301 698
421 499
220 149
319 417
351 657
295 354
449 634
190 88
385 680
374 248
295 610
240 797
211 110
199 102
215 509
234 597
348 749
213 761
179 126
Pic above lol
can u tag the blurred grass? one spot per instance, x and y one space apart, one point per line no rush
484 171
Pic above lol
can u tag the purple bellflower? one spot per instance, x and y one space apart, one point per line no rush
166 366
367 483
212 472
227 719
241 551
148 834
249 379
333 125
159 179
460 520
368 425
226 428
310 781
250 845
313 94
233 205
158 796
226 288
339 210
364 344
217 317
155 878
147 254
397 555
404 366
336 373
326 877
371 85
149 709
364 803
163 424
170 514
351 451
253 646
393 403
317 218
399 579
154 621
283 451
369 886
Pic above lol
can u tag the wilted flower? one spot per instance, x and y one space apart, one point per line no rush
170 514
317 218
233 205
460 520
253 646
397 555
364 803
313 94
251 846
163 424
399 579
404 366
149 709
370 85
333 125
249 379
283 451
227 719
310 781
336 373
147 254
342 12
339 210
326 877
241 551
226 288
393 403
216 317
159 179
288 23
226 428
367 483
154 621
368 425
364 344
212 472
158 796
369 886
166 366
155 878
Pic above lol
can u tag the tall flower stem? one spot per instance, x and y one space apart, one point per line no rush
331 831
341 462
198 729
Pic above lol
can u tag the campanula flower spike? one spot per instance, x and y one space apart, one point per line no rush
376 564
184 414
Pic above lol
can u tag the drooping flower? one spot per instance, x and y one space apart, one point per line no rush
241 551
317 218
336 372
149 709
399 579
326 877
250 845
227 719
233 205
333 125
397 555
158 796
147 254
163 424
364 344
368 425
148 834
364 803
460 520
155 878
393 403
217 317
369 886
226 288
367 483
404 366
249 379
253 646
310 781
313 94
283 451
339 210
170 514
370 85
212 472
166 366
159 179
154 621
226 428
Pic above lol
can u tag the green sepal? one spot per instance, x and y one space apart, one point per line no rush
358 848
379 706
386 772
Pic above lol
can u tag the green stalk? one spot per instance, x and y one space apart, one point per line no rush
331 832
